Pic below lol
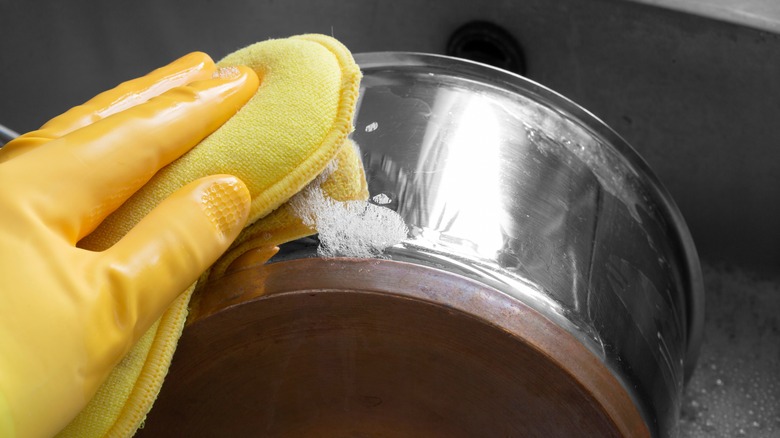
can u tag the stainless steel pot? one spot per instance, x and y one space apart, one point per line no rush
549 285
513 185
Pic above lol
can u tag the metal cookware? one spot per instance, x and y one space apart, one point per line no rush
548 287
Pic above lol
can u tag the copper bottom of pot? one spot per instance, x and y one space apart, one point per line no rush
377 348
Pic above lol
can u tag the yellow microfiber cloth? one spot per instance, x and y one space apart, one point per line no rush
280 141
344 182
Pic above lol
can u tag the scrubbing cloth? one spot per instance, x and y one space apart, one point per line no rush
284 137
342 180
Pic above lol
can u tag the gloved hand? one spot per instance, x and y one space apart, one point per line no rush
68 315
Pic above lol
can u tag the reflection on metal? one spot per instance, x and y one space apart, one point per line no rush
507 183
6 135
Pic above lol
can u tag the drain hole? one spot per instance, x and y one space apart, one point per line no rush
487 43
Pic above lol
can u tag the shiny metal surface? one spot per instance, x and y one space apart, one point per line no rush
510 184
6 135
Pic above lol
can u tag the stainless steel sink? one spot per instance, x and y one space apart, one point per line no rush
693 86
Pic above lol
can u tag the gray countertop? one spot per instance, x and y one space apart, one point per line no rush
735 390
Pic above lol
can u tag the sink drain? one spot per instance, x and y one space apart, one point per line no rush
487 43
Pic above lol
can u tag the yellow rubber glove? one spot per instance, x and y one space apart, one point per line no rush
68 315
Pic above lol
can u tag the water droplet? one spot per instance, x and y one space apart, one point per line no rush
372 127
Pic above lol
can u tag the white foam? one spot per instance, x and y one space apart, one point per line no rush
381 199
735 390
347 229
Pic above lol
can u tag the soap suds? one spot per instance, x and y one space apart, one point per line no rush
381 199
735 389
347 229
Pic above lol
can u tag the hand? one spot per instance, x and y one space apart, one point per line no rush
68 315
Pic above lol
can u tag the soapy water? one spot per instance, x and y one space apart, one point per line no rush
731 398
735 389
347 228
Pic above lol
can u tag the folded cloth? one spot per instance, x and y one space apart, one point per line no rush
281 140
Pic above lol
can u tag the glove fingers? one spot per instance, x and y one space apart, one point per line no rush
114 157
169 249
195 66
